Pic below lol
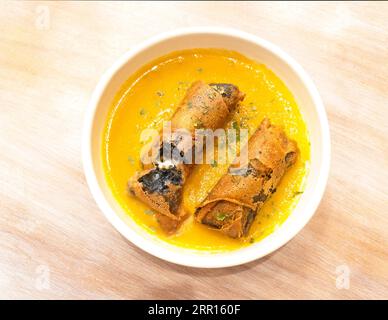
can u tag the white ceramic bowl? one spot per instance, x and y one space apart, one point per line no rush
284 66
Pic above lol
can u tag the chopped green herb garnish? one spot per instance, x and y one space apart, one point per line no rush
297 193
131 160
221 216
238 136
251 240
149 212
235 125
142 112
214 164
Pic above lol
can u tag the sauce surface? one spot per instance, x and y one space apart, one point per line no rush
150 97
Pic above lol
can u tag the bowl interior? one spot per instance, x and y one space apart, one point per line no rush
284 67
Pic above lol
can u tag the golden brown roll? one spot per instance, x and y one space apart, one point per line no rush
160 184
233 203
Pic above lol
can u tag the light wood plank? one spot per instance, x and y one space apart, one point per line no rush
49 223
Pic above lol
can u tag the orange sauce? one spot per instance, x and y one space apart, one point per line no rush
150 96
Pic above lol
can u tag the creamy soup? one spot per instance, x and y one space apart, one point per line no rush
150 97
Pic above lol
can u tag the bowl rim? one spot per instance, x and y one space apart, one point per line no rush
152 247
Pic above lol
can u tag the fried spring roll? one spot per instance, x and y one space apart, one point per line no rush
233 203
160 184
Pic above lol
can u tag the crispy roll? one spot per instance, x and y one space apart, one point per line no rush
233 203
160 184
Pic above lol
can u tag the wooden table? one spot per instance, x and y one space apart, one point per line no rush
54 241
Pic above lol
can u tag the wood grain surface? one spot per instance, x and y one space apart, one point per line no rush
54 241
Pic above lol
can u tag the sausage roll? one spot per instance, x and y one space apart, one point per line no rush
205 106
233 203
